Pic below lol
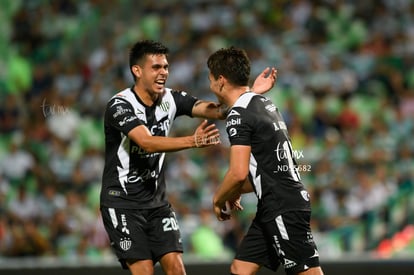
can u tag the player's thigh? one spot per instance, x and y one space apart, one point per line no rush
172 263
164 235
140 267
126 229
292 237
240 267
312 271
256 248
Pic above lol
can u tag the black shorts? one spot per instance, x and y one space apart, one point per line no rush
142 234
286 240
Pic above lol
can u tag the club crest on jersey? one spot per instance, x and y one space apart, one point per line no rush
125 244
165 106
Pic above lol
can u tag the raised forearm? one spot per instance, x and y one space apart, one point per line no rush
209 110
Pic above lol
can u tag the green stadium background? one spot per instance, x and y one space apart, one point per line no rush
345 87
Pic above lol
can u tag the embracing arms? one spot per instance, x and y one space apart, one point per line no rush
204 135
212 110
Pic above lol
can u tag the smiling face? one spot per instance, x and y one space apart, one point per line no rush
151 74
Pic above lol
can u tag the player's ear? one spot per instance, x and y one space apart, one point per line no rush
221 81
136 70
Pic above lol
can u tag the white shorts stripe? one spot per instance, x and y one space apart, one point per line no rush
113 217
282 228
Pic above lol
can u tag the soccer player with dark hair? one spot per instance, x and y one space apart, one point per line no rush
140 222
261 161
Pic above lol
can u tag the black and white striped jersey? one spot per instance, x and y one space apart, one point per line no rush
132 177
255 121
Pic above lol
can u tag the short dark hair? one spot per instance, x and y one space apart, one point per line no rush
145 47
232 63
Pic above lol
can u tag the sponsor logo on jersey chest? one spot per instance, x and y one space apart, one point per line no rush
233 121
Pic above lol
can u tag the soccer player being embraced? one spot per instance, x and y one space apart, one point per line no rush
280 233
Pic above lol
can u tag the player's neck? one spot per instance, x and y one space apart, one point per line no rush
146 97
235 93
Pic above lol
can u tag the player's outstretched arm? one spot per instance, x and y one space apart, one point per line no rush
209 109
212 110
205 135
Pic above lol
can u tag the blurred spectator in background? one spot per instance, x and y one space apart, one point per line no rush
17 163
